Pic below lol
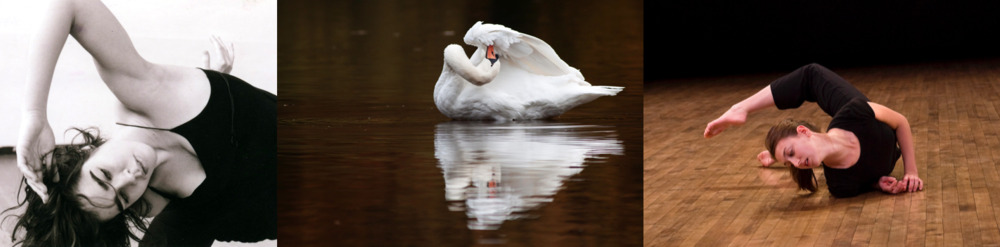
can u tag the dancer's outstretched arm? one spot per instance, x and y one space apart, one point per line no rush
737 114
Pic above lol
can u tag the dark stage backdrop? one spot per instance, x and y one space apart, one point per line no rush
710 38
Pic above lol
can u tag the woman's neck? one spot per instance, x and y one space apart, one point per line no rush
841 148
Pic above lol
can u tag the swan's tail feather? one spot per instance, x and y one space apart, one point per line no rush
606 90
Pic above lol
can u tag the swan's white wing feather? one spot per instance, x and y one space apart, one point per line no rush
536 56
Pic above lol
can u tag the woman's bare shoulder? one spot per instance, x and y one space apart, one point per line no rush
167 97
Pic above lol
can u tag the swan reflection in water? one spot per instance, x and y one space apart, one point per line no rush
497 171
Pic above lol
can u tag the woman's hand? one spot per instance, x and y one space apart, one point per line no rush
734 116
765 158
226 54
35 141
890 185
912 183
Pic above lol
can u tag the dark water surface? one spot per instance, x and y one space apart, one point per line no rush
365 158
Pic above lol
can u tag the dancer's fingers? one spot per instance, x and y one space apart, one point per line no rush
206 59
714 128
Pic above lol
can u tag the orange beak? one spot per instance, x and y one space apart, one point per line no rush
490 55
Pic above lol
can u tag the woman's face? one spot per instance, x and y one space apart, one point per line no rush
798 151
115 177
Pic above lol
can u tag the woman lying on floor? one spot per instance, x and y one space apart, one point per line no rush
859 150
196 149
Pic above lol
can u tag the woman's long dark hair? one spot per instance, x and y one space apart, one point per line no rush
805 178
62 221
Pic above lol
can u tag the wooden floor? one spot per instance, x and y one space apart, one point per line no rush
712 192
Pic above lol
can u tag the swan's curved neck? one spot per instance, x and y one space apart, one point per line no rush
454 57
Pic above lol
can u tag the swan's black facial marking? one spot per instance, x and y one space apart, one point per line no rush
492 56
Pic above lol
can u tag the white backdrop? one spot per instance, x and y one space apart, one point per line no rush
168 32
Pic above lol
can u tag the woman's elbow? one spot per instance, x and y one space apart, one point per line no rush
902 123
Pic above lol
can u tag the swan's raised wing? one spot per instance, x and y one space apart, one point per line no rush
518 49
535 56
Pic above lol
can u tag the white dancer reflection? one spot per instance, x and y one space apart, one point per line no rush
495 172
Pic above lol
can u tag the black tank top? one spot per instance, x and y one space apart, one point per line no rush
235 139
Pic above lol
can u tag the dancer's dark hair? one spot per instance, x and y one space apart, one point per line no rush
61 221
805 178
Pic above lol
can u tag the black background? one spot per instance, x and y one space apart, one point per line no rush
712 38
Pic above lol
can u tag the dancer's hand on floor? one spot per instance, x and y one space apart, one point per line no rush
890 185
912 183
765 158
732 117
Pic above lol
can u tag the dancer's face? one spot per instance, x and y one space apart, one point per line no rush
798 150
115 177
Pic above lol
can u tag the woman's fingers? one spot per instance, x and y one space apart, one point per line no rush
27 170
730 118
711 130
227 53
224 55
32 172
715 127
913 183
890 185
207 59
900 187
765 158
28 164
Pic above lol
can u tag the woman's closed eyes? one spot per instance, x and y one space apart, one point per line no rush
105 183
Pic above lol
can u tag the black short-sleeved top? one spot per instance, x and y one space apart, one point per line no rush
851 112
235 138
879 151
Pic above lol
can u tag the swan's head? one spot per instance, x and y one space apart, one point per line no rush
496 39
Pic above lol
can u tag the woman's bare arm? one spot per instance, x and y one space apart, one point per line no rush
100 33
737 114
904 137
35 137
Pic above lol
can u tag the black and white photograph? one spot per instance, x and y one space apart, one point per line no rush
138 123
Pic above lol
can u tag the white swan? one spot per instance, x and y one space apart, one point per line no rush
511 76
